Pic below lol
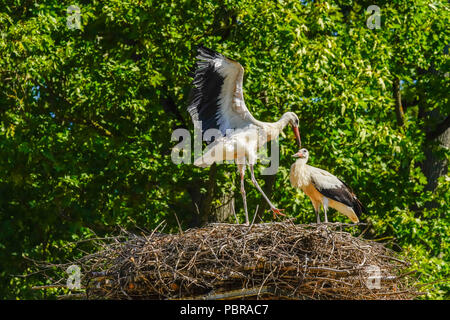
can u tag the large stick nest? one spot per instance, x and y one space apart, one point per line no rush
265 261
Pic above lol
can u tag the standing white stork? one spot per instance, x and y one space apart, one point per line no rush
324 189
217 102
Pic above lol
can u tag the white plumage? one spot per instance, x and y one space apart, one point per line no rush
217 102
324 189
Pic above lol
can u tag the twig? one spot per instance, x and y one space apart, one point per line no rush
234 213
178 222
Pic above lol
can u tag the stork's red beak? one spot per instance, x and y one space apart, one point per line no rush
298 155
297 136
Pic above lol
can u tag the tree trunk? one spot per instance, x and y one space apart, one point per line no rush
224 213
207 200
435 164
398 103
269 182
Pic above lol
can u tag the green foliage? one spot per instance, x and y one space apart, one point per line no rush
86 117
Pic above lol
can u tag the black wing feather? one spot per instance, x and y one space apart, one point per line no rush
343 194
207 85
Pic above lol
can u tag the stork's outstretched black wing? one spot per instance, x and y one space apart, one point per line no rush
217 100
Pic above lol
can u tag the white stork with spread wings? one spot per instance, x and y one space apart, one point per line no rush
217 102
324 189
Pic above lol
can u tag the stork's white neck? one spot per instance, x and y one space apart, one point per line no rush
299 175
279 125
302 161
273 129
283 122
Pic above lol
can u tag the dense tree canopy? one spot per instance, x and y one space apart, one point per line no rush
87 113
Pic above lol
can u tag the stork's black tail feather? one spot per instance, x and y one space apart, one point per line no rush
358 207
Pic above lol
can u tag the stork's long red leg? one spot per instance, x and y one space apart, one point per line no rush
244 197
275 211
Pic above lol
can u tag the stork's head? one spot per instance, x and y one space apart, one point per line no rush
294 122
302 154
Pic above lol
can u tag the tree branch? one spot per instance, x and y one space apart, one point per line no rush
398 103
